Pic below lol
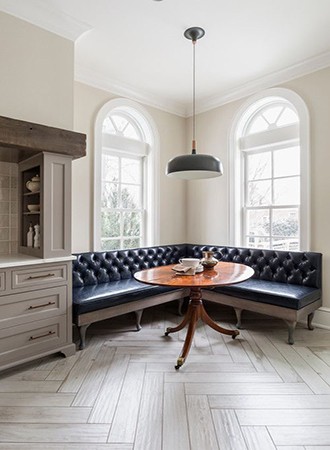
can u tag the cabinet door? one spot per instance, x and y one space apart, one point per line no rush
57 205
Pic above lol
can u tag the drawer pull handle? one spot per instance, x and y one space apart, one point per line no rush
32 338
42 276
41 306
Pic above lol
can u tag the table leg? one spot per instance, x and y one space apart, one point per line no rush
207 319
195 312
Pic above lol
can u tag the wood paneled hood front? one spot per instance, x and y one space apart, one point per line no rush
20 140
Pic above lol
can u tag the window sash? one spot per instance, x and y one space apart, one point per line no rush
141 210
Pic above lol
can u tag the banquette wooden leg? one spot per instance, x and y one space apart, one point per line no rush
138 316
291 328
238 313
82 335
310 318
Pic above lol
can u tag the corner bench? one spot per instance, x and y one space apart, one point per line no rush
285 284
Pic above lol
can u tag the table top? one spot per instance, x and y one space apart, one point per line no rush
222 274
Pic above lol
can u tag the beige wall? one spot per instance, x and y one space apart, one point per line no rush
87 103
36 75
209 223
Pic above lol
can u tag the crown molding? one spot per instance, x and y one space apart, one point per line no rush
300 69
90 77
310 65
51 19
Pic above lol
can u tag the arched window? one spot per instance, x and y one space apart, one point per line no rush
125 183
270 173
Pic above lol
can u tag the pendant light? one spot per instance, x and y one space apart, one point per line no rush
194 166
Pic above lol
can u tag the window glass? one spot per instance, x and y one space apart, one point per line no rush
272 114
259 166
287 191
259 193
287 162
287 117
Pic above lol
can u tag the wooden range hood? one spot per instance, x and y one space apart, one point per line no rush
20 140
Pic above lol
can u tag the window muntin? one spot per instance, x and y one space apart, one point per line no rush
121 125
271 117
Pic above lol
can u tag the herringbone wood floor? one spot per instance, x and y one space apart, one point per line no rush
122 392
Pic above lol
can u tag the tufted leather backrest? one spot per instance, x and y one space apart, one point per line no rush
304 268
102 267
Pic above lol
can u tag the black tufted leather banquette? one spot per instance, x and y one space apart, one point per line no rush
102 280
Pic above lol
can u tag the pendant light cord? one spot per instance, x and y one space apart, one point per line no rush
194 99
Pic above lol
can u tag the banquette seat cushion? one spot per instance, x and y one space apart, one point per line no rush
104 279
98 296
287 295
281 278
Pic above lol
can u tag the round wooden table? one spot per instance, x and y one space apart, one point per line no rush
224 273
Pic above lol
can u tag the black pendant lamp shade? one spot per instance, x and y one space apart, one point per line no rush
194 166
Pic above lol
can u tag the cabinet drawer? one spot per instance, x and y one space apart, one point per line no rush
32 338
38 276
17 309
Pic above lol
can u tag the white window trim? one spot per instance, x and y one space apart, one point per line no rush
235 163
151 169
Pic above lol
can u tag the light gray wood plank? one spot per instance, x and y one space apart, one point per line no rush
220 377
309 447
29 375
78 373
43 414
257 357
295 447
124 423
310 377
175 421
63 446
63 368
106 402
206 366
228 430
280 364
258 438
191 362
217 342
49 362
29 432
29 386
282 417
35 399
316 363
322 352
269 401
149 428
302 435
92 383
201 429
246 388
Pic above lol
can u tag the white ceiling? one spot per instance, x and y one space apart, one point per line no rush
137 48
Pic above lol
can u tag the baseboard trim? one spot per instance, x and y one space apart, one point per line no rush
322 318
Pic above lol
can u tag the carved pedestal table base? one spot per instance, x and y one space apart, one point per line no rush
196 312
224 273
